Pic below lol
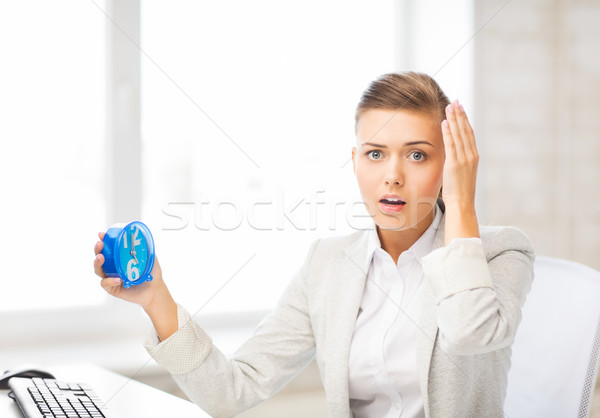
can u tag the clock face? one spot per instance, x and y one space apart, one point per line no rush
133 252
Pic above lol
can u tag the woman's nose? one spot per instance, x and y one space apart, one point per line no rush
394 174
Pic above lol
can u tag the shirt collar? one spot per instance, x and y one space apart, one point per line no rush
419 249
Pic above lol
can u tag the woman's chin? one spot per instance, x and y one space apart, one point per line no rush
397 222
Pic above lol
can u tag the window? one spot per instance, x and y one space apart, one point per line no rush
247 126
247 129
51 159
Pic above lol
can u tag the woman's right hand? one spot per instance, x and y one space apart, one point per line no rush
143 294
153 296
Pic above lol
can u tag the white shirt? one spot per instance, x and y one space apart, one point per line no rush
383 379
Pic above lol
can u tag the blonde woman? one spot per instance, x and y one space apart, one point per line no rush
414 317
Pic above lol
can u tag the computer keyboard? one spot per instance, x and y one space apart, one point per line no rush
51 398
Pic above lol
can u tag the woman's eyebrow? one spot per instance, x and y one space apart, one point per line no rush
408 144
373 145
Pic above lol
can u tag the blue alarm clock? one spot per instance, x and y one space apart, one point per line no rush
129 253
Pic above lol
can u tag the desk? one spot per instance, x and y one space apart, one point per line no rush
130 399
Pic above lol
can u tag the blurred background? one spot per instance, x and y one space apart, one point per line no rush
227 127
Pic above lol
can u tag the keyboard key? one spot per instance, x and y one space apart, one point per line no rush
57 399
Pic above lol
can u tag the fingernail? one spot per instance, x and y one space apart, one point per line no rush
449 108
116 280
445 123
461 107
96 246
97 257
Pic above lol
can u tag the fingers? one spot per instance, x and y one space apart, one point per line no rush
110 284
449 147
459 138
98 247
99 259
466 130
455 137
98 262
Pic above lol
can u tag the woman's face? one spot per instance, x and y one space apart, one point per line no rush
398 161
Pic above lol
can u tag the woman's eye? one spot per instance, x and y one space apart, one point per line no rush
417 156
374 154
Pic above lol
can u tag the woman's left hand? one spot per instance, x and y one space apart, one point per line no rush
460 174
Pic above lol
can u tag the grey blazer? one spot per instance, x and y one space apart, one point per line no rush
471 307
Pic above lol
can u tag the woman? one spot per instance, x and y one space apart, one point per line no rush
414 317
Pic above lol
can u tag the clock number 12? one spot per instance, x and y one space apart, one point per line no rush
135 239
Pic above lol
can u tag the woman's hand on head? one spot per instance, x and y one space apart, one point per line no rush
143 294
462 158
460 174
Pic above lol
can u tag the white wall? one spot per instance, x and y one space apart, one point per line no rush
537 80
537 72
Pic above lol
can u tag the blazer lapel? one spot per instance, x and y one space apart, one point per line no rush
348 288
428 326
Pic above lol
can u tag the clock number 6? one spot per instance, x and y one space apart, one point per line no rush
133 273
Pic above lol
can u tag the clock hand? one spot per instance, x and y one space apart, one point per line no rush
133 249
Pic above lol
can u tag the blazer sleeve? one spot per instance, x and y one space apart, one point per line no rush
281 346
480 291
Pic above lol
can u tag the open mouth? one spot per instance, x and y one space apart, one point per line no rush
392 202
391 205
